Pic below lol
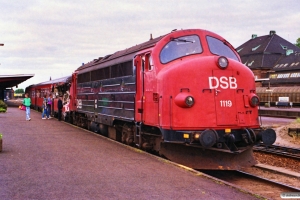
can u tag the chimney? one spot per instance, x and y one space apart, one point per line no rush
254 36
272 32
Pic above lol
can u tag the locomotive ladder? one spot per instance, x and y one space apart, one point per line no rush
138 135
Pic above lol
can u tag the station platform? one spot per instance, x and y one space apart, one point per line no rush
288 112
49 159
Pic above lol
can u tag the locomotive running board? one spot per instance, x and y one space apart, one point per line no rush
199 158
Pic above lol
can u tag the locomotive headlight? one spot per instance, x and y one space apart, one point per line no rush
254 100
222 62
184 100
189 101
196 136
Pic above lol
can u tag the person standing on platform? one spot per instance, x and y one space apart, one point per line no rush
44 114
27 103
49 103
59 107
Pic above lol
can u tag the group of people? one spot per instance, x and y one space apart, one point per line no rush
47 103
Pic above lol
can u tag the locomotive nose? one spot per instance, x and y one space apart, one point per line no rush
267 136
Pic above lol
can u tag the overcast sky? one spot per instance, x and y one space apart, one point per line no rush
53 38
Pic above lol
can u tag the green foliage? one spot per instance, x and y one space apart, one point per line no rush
19 91
3 106
298 120
298 42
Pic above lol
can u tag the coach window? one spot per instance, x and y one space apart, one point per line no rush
180 47
220 48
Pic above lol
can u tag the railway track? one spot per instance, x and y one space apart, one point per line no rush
278 150
259 185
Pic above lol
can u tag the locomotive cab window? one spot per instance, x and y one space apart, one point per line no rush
220 48
180 47
148 62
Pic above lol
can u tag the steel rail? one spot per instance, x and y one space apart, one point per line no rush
289 187
278 150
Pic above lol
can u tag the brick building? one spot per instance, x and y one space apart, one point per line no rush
273 60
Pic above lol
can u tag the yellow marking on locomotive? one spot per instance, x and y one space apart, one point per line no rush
186 136
227 130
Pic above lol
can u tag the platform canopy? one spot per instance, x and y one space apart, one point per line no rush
9 81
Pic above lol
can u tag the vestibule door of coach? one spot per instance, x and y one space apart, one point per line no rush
224 87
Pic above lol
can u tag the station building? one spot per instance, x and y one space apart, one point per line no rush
274 61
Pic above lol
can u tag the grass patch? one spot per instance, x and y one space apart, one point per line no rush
3 106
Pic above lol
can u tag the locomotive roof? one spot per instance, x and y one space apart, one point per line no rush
119 56
123 55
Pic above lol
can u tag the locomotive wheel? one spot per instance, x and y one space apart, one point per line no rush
127 134
208 138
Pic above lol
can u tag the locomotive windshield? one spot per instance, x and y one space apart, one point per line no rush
179 47
220 48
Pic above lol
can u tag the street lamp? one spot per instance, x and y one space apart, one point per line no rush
1 45
269 91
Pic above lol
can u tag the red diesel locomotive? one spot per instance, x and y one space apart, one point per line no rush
185 95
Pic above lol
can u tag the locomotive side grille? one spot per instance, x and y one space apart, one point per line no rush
118 70
85 77
122 69
100 74
107 100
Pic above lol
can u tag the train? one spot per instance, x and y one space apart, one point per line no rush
273 95
184 95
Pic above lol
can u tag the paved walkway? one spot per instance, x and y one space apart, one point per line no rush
48 159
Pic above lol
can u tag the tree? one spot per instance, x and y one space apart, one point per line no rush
19 91
298 42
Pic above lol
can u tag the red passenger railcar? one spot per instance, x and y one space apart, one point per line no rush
185 95
58 87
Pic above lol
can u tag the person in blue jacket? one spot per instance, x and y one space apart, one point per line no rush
27 103
44 107
49 104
